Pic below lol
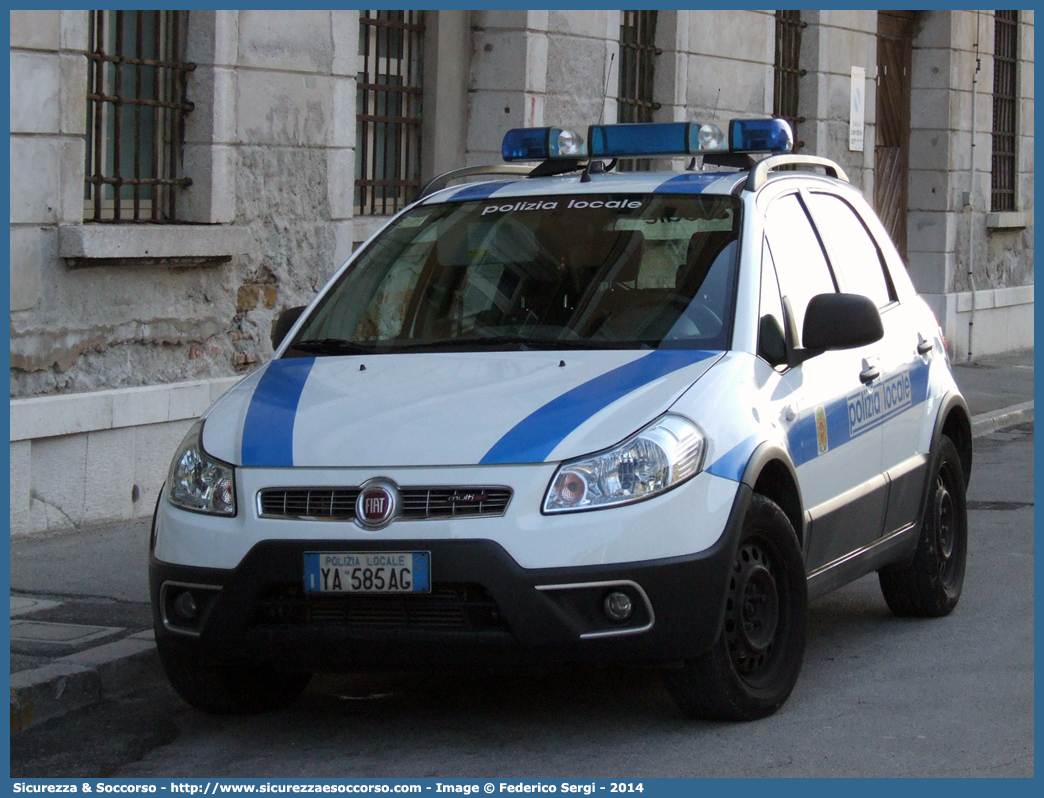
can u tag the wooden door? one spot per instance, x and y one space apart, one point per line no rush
892 136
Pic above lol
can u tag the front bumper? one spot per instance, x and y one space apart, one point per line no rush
484 607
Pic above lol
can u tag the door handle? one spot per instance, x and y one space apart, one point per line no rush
924 347
869 374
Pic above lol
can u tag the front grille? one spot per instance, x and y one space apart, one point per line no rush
450 606
418 504
421 503
309 503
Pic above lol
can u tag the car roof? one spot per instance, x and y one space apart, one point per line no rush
686 182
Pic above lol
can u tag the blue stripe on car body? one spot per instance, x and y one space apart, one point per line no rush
802 439
802 436
479 191
536 436
688 183
268 431
732 464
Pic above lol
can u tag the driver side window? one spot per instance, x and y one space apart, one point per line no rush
801 265
772 340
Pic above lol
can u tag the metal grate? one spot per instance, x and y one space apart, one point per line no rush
787 71
634 97
449 606
135 115
388 100
418 504
1005 102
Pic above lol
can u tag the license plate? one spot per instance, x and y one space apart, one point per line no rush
367 572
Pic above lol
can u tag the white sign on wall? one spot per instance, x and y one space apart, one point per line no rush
857 109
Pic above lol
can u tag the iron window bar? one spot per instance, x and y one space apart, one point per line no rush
638 52
787 71
1005 103
389 93
135 115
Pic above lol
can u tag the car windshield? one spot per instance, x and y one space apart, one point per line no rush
552 272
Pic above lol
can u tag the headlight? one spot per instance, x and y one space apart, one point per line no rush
199 482
653 460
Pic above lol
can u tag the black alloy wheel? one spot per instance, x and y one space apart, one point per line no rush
930 585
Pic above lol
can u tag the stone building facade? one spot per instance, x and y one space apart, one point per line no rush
289 145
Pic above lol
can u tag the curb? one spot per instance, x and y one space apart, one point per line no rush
985 423
79 680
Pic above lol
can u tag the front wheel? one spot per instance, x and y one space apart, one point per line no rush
930 586
754 664
223 688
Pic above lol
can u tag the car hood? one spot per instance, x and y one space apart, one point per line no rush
443 409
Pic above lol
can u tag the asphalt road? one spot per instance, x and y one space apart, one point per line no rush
878 696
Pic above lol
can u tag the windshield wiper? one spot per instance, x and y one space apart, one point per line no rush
582 343
332 346
341 346
453 343
521 342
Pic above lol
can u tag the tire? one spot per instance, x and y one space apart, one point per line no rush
930 586
754 664
222 688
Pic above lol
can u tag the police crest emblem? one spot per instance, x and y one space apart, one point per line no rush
821 430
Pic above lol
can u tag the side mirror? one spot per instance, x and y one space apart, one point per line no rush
838 321
281 326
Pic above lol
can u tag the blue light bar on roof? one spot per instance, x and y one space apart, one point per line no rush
760 135
647 140
541 143
643 140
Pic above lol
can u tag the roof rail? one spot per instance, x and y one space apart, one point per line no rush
441 181
759 174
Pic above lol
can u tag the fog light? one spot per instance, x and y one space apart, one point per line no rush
185 606
618 606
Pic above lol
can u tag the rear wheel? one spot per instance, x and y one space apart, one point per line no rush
754 664
930 586
224 688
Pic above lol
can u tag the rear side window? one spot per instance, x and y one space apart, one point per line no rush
854 254
801 265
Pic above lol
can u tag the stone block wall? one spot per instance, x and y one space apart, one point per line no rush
270 150
974 267
833 43
101 456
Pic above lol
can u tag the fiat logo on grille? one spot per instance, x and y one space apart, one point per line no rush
377 505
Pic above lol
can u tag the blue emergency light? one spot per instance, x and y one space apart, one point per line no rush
670 138
648 140
542 143
760 135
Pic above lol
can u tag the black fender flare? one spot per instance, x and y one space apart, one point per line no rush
766 453
950 401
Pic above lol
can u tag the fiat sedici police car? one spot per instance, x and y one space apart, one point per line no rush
577 415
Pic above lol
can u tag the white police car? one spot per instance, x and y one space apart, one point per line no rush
576 415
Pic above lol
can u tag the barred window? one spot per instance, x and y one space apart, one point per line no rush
787 71
388 102
638 53
1005 101
135 115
